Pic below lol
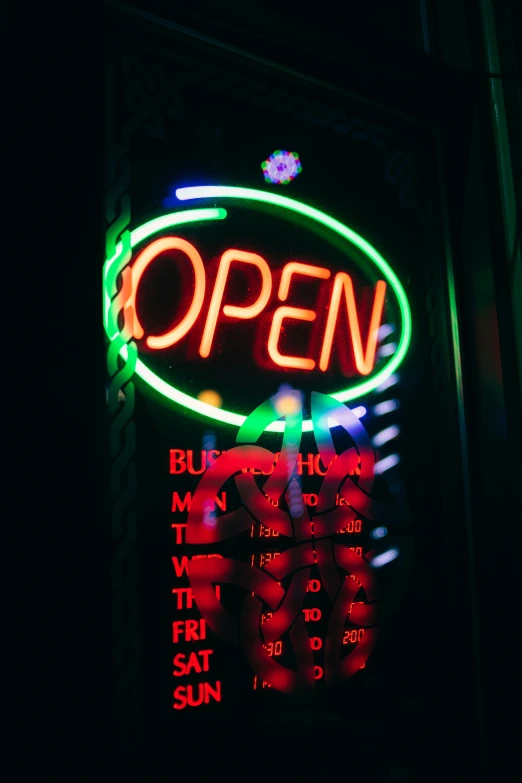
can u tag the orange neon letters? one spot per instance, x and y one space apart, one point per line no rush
363 361
300 363
342 283
295 268
138 268
298 313
233 311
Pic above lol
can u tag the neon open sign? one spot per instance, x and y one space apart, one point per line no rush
341 295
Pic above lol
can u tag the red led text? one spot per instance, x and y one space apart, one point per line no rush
180 566
312 615
188 630
185 596
185 695
187 663
186 504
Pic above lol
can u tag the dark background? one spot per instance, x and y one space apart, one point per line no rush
436 622
54 85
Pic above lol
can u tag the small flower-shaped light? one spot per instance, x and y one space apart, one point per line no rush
281 167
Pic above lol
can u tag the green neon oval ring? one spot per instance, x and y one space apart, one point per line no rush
248 194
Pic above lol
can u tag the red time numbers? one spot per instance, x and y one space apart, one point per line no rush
353 635
259 683
274 648
261 531
261 559
354 526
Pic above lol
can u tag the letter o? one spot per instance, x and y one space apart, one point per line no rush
138 268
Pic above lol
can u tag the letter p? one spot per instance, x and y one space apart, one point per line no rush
234 311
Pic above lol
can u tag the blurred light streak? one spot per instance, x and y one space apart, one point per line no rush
390 381
386 463
360 411
385 331
211 397
385 557
209 513
385 435
387 350
385 407
287 405
209 440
